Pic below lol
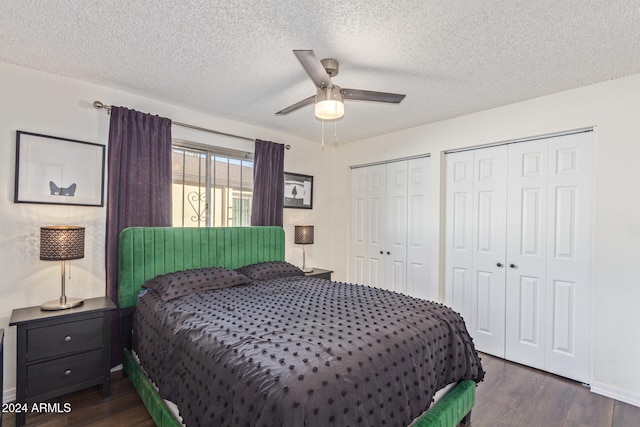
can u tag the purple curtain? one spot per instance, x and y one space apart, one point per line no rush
268 183
138 191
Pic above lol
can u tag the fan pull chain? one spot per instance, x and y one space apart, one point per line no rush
335 133
322 146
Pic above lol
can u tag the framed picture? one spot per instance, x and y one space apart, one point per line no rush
298 191
58 171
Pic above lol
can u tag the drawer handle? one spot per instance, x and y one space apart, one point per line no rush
67 372
67 338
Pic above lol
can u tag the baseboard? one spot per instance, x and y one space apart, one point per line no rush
616 393
9 395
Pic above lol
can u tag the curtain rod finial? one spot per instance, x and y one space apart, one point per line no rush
98 105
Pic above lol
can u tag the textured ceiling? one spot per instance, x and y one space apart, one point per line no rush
234 58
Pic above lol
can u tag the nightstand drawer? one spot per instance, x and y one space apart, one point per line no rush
64 338
60 373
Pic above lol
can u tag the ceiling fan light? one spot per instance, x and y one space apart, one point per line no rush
329 110
329 104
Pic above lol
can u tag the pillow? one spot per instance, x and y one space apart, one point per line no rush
270 270
180 283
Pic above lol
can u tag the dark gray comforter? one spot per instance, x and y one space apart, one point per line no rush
301 352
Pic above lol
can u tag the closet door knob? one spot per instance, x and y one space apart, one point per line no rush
513 266
499 265
388 253
381 253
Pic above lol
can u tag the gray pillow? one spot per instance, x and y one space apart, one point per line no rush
180 283
270 270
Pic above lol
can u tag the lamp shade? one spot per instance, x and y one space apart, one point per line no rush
61 242
329 103
304 234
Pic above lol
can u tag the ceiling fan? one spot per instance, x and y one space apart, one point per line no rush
329 98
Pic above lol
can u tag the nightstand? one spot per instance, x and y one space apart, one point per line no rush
320 273
59 352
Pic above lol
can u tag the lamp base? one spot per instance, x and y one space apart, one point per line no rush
59 305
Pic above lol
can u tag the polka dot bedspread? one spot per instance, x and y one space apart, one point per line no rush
301 351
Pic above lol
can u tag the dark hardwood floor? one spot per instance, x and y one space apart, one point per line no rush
511 395
515 395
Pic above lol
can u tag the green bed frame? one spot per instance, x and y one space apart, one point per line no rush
145 252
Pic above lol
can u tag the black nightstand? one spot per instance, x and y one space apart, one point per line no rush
59 352
320 273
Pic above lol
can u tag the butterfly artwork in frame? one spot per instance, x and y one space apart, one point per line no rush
56 170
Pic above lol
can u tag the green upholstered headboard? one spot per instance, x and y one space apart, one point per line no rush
146 252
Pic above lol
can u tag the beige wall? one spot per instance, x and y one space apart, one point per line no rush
613 109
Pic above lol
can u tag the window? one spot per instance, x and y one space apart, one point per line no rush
212 187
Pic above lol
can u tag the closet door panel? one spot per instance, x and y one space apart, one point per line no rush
526 255
488 247
568 265
417 280
376 223
395 251
359 226
459 232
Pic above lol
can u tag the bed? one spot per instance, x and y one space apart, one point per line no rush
287 350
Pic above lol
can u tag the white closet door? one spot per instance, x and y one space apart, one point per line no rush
389 245
395 250
459 232
568 299
417 227
359 225
526 256
489 250
376 224
539 301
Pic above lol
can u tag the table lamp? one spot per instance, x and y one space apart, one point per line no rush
304 236
61 243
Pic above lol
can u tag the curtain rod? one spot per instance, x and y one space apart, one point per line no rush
99 106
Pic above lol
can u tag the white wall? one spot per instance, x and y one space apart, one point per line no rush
43 103
613 109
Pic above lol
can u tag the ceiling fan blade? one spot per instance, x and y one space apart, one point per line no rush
369 95
304 102
313 67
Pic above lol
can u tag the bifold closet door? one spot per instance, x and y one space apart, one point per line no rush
518 239
389 226
526 256
459 233
476 238
368 222
417 276
395 240
568 280
489 251
549 240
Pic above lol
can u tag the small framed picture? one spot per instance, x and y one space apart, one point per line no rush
298 191
58 171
